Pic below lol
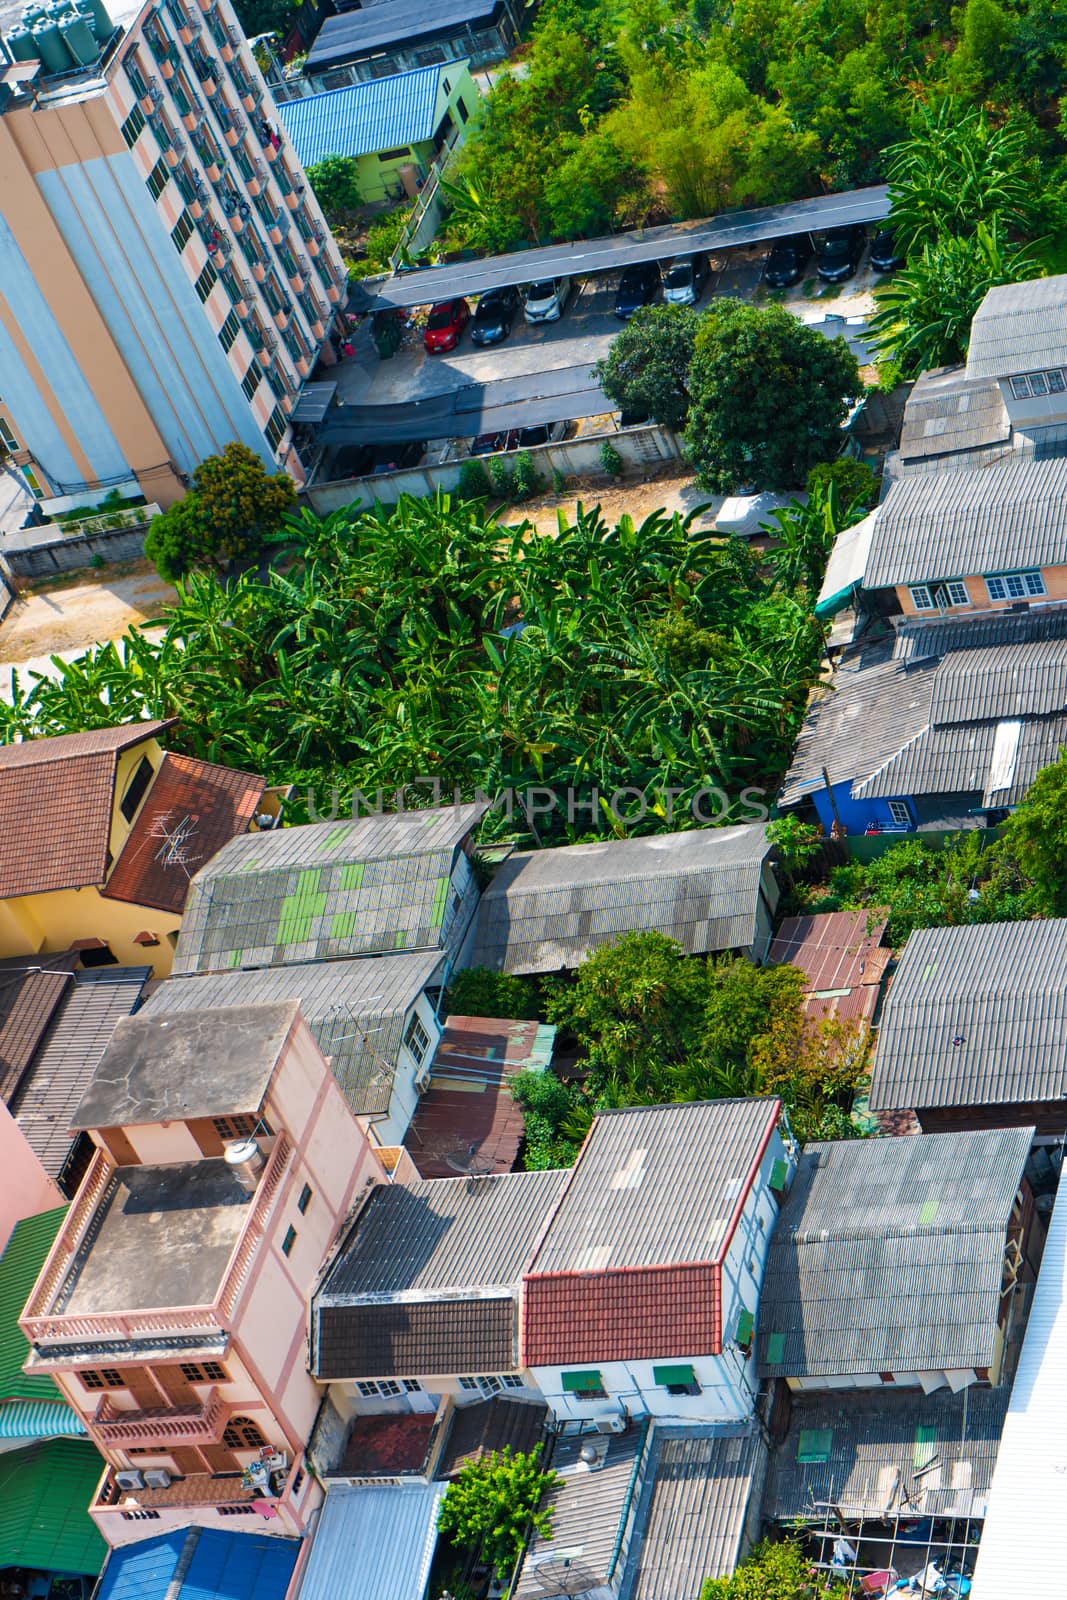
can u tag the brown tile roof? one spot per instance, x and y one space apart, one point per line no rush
631 1314
467 1120
55 807
421 1338
388 1447
28 1002
491 1425
192 809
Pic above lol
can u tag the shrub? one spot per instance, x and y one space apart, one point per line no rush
610 459
480 992
559 481
528 480
502 477
473 482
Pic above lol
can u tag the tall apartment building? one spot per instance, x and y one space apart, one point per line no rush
167 280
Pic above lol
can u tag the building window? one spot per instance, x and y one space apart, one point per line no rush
238 1127
490 1383
417 1040
512 1380
104 1378
899 813
468 1383
7 436
584 1385
395 155
136 789
241 1433
157 179
275 429
229 331
921 598
1016 586
182 231
231 1511
305 1199
389 1388
133 127
676 1379
1034 385
206 282
289 1241
203 1372
461 108
412 1386
252 378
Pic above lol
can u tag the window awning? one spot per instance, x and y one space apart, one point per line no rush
581 1382
673 1375
40 1419
847 566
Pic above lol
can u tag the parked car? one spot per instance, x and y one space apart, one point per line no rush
540 433
494 314
633 419
546 300
638 287
684 280
367 460
840 253
487 444
445 324
884 257
787 260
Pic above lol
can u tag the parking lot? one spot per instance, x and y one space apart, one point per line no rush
581 337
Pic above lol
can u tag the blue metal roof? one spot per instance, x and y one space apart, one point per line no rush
223 1566
385 114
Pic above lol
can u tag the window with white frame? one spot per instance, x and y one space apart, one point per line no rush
1016 585
921 598
490 1384
417 1040
1034 385
899 813
387 1388
956 592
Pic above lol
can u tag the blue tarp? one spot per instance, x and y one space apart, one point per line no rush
224 1566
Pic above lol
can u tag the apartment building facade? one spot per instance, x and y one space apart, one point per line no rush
171 1311
167 280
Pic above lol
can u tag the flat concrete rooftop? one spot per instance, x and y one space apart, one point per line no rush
161 1239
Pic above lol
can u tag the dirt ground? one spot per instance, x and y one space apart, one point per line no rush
53 618
638 499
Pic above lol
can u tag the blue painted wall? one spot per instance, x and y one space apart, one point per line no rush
857 815
126 256
38 432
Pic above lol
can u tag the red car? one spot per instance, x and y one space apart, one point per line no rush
446 322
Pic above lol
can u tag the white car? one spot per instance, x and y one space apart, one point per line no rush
546 301
684 280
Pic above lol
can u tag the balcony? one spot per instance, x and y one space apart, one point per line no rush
203 1499
113 1278
175 151
236 129
258 181
152 97
163 1425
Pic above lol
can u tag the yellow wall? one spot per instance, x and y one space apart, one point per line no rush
1055 583
52 922
126 766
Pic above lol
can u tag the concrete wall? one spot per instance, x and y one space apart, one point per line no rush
70 553
27 1189
642 450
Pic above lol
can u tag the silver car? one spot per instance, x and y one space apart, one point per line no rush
684 280
546 301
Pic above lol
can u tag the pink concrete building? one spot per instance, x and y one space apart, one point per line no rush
172 1309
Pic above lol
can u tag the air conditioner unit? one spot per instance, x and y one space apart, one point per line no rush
422 1079
131 1479
610 1424
157 1478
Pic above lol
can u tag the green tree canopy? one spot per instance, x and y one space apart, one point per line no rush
769 397
647 366
490 1506
232 509
774 1571
335 185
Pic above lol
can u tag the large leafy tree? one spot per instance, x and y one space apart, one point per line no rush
769 397
647 368
233 507
335 185
774 1571
492 1503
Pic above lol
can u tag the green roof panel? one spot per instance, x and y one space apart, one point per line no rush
20 1266
45 1494
582 1382
814 1444
673 1375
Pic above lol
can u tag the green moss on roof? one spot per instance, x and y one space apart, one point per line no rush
45 1494
20 1266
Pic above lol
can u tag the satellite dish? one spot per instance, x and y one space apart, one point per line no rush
469 1163
564 1575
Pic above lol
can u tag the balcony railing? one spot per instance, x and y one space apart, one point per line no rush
167 1425
43 1324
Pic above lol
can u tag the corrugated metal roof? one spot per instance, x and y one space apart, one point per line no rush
39 1419
45 1493
847 566
20 1266
80 1032
1019 326
691 1519
589 1511
976 1015
941 525
390 23
834 950
201 1564
355 1009
947 413
384 114
547 909
1022 1542
889 1254
373 1543
872 1467
365 887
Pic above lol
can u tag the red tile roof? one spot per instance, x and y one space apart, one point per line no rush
192 809
388 1446
56 798
632 1314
